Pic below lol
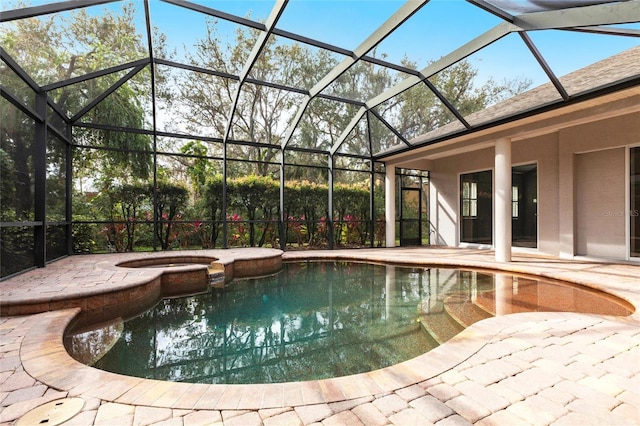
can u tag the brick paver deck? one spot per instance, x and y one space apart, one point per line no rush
521 369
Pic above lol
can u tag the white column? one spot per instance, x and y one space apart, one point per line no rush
390 205
502 201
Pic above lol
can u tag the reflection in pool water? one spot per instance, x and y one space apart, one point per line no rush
316 320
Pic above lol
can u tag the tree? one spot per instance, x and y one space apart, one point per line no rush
418 111
198 167
132 198
202 101
263 114
351 210
306 203
16 174
169 199
256 194
213 207
56 47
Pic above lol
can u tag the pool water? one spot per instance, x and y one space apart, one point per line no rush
315 320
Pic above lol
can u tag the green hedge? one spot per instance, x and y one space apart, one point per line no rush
253 215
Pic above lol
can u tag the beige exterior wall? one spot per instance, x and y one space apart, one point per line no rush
600 204
595 137
581 177
443 192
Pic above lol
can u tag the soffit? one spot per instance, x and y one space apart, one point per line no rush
608 106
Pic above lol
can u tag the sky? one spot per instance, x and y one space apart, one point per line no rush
436 29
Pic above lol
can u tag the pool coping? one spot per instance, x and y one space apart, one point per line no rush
133 281
43 347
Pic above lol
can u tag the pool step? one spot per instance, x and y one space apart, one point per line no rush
464 311
440 326
456 313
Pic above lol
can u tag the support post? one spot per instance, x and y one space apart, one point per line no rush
39 151
282 219
502 200
390 205
330 224
69 190
372 207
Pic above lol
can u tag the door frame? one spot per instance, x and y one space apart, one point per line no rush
417 222
537 204
459 225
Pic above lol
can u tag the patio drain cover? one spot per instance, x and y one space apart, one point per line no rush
52 413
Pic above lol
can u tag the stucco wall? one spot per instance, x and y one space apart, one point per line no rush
600 204
593 137
566 225
444 202
444 186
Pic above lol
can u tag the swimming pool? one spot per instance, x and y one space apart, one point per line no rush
316 320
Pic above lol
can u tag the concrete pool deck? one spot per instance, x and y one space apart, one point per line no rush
532 368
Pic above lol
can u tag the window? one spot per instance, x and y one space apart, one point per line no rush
469 199
514 202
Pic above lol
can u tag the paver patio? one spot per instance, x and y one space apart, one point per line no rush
521 369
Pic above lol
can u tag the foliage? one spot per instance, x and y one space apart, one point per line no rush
16 246
264 114
212 209
197 165
54 48
132 197
83 237
258 196
56 180
418 111
168 199
7 186
202 101
117 165
16 155
308 201
351 208
252 215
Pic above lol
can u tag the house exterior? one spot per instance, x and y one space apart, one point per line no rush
569 179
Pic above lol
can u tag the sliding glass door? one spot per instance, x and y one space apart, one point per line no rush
524 206
476 207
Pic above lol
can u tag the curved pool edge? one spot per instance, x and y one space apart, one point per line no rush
43 347
103 289
564 270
